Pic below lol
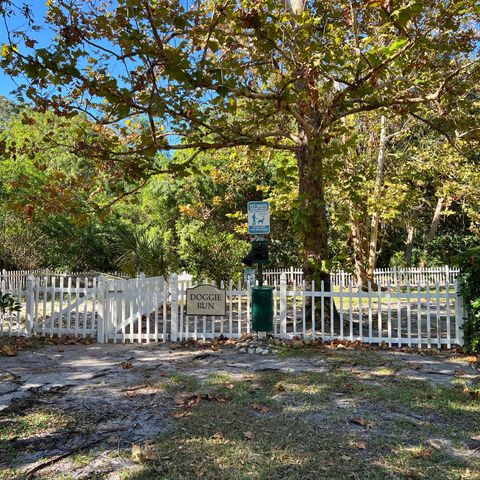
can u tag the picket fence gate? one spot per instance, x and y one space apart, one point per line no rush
152 309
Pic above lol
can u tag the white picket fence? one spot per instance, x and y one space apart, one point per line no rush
153 309
17 279
382 276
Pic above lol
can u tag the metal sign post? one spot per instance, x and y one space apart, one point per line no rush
262 297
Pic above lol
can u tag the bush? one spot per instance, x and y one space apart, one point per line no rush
8 304
444 249
210 253
469 263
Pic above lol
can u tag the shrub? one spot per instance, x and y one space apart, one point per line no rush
469 263
8 304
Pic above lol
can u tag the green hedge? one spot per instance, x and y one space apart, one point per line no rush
469 263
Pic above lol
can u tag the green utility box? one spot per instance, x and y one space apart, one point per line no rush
262 308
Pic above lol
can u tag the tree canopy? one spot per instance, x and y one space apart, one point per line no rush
160 76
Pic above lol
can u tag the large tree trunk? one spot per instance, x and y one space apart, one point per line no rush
313 223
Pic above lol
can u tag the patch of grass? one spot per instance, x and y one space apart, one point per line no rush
212 442
33 423
178 381
232 442
8 474
363 358
425 462
82 459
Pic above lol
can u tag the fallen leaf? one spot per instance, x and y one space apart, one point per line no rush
9 377
345 458
8 351
361 421
188 400
143 452
471 393
218 435
113 439
178 415
360 445
425 453
217 397
126 365
280 387
249 435
260 408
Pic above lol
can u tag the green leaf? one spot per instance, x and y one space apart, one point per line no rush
404 14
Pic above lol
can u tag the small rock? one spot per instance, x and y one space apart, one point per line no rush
243 350
251 350
265 352
341 347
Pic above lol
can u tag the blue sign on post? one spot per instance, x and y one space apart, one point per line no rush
258 218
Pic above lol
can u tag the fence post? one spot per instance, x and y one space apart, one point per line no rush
101 297
174 308
283 305
459 313
395 276
29 305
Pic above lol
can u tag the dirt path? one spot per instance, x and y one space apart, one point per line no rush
89 404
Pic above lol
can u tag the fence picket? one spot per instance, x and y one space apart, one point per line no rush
294 306
370 312
230 308
429 331
350 315
437 297
447 307
399 316
283 306
419 316
164 311
389 315
304 320
409 317
313 309
85 308
322 309
360 314
379 315
341 310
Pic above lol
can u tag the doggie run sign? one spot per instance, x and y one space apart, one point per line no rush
258 218
206 300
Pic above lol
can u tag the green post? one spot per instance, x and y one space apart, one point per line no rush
262 308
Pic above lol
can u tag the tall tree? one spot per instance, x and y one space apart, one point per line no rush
210 74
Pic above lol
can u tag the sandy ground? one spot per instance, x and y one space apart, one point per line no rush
118 397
